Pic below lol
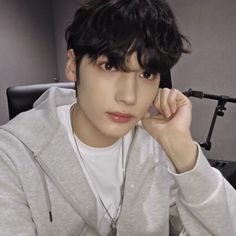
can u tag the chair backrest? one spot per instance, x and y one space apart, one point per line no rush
22 98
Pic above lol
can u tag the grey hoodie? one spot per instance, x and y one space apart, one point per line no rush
44 192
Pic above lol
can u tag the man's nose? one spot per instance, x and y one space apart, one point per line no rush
126 91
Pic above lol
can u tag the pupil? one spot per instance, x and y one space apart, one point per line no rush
108 66
146 74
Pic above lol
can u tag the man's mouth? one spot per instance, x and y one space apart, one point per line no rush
120 117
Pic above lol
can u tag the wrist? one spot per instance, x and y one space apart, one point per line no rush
182 151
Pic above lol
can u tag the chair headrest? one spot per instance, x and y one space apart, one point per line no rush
22 98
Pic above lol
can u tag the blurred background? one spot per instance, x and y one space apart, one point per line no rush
33 50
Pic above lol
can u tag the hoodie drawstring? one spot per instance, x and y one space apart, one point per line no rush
45 189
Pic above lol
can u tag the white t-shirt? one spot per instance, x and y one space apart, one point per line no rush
102 168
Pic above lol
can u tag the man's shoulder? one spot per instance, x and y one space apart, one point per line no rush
32 129
38 125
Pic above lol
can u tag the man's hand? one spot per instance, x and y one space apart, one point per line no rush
171 128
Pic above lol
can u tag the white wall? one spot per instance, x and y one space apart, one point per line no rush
27 48
63 14
211 27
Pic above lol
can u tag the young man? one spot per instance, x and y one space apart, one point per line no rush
100 163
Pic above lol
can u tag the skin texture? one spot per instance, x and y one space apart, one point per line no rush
104 89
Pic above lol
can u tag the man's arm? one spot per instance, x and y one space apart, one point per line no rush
171 128
205 201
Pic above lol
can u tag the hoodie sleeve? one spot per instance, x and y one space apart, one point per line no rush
204 201
15 216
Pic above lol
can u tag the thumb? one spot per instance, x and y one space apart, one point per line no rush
154 123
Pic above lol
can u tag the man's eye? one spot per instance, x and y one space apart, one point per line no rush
147 75
108 66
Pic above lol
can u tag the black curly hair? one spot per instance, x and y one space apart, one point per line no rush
117 28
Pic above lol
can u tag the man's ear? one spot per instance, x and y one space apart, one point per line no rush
70 69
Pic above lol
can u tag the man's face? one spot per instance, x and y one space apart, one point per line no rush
110 102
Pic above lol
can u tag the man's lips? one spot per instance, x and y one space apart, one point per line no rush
120 117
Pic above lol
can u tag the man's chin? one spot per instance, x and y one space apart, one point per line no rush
118 132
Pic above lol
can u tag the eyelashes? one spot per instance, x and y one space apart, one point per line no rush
106 65
147 75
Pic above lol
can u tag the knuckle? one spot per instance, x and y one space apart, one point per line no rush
166 90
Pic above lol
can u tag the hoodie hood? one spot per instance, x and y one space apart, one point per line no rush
38 120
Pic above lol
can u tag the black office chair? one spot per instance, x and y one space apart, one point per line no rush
22 98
